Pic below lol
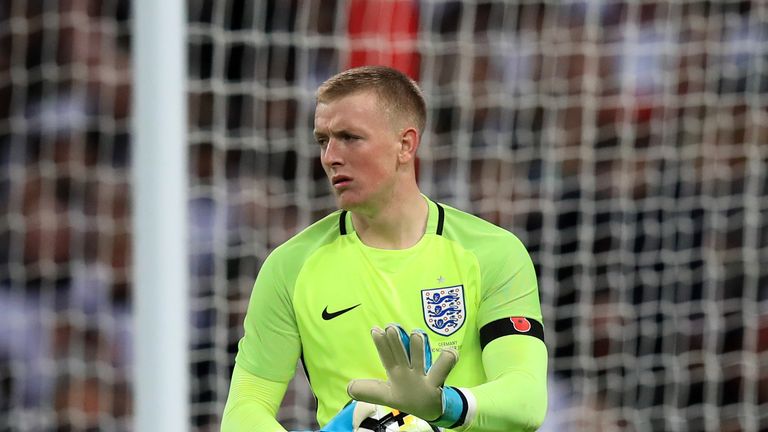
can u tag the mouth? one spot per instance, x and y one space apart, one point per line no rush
339 181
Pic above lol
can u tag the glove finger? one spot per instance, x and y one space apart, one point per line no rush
442 367
384 348
399 344
421 356
427 351
370 390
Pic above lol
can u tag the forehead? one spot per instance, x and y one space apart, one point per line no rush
353 106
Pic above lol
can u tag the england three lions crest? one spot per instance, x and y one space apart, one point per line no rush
444 309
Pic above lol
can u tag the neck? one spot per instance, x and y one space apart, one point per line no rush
398 225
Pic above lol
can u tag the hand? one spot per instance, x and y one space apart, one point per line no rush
412 386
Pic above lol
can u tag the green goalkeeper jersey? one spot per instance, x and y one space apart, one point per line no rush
318 295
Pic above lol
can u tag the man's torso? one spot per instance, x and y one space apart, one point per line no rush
347 288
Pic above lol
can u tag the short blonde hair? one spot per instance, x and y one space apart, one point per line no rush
396 91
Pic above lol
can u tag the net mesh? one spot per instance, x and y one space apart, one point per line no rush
626 144
64 270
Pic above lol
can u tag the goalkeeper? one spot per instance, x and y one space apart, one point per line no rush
391 255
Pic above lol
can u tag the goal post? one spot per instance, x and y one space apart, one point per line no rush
161 263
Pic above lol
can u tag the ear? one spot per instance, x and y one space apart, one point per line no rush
409 144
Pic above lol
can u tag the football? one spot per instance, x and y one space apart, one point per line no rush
377 418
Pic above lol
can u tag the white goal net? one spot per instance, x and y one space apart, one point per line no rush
625 142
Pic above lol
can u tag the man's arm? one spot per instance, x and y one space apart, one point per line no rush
252 403
512 339
267 353
515 396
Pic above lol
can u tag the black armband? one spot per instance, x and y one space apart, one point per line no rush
510 326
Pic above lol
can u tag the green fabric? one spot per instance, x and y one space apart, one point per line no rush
515 397
252 403
319 269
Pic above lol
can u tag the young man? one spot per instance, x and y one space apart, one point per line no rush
391 255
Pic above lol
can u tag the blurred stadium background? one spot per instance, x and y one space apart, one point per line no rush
625 142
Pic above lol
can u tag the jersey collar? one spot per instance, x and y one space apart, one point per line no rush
435 219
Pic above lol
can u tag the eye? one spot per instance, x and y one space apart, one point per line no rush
321 141
349 137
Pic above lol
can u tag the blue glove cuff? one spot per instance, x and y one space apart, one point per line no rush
455 408
342 422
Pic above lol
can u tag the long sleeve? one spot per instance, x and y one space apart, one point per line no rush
515 396
514 355
252 403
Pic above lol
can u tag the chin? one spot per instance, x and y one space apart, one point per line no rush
348 203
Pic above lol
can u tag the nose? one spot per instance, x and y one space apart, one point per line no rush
331 154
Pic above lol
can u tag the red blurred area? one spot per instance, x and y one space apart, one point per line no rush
384 32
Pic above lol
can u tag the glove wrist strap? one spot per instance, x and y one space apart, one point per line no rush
457 406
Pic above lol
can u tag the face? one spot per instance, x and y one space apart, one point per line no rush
360 150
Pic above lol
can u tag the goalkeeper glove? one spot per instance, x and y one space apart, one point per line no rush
414 385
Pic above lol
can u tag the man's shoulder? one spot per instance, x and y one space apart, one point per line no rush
483 238
498 251
311 238
460 222
286 261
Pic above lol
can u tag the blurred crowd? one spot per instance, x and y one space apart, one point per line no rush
626 144
65 221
